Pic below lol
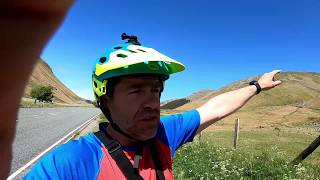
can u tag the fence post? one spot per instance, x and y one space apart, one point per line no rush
236 133
304 154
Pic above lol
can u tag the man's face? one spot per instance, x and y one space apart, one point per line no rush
135 105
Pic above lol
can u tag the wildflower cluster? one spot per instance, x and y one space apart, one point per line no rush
201 160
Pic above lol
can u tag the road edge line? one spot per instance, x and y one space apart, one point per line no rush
13 175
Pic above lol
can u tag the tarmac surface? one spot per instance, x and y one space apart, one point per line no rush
39 128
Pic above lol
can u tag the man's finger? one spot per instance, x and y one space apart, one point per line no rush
275 72
276 83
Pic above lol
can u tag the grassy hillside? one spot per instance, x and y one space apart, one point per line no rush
296 89
43 75
175 103
295 103
275 127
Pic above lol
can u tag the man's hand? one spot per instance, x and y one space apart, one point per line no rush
26 27
267 80
32 8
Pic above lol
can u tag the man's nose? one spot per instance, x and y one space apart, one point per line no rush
151 100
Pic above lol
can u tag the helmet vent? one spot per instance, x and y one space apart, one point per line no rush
141 50
122 55
103 60
132 51
118 47
95 84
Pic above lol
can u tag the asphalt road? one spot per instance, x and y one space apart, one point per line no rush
39 128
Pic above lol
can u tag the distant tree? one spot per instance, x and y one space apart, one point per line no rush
35 91
42 93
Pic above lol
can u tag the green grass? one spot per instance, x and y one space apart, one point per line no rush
260 155
27 103
31 104
102 118
289 142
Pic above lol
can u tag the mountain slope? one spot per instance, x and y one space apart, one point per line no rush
297 89
295 102
43 75
175 103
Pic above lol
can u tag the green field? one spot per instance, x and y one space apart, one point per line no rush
261 154
29 103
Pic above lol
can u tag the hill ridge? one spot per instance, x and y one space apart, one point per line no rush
43 75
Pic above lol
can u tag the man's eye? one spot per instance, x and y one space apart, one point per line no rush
156 90
134 91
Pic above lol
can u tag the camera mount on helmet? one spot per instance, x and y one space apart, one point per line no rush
131 39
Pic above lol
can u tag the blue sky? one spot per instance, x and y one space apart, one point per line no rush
219 41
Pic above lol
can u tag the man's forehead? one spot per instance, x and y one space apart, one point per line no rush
129 81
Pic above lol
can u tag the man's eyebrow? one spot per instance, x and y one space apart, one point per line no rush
135 86
143 84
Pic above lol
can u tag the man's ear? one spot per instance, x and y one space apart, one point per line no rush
105 101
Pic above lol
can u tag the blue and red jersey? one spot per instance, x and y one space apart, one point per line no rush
87 158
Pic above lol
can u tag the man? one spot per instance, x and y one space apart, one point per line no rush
127 81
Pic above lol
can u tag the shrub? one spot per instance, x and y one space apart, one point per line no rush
42 93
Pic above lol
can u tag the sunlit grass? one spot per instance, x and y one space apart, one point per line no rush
31 104
260 155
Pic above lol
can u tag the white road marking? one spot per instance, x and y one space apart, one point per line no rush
13 175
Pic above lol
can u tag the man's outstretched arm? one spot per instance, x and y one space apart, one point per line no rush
227 103
26 27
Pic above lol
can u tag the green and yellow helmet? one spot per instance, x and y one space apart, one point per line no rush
127 59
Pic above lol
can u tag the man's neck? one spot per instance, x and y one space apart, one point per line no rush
122 139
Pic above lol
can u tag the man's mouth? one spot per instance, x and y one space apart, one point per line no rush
150 118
